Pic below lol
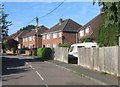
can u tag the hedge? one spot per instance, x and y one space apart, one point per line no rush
44 53
47 53
39 52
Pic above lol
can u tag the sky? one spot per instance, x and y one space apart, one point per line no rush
21 13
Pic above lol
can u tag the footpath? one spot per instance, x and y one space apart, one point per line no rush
102 78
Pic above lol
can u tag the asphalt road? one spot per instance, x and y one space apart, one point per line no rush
22 70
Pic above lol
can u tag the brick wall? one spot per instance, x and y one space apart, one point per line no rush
69 37
52 40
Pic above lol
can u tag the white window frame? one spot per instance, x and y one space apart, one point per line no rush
30 38
43 37
26 39
54 35
48 36
60 34
54 45
48 45
87 30
33 37
82 33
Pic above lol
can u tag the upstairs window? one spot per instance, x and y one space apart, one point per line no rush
26 39
54 35
87 30
82 33
43 37
48 36
60 34
30 38
33 37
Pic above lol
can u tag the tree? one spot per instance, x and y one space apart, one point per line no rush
3 22
107 35
29 27
12 44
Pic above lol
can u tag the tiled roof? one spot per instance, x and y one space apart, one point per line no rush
41 30
95 25
67 25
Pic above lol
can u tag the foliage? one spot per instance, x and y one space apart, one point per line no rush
44 52
29 27
11 43
65 45
111 24
40 52
4 23
47 52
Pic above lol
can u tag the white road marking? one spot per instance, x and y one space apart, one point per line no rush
31 67
39 75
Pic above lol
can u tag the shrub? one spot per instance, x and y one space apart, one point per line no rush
40 52
65 45
47 53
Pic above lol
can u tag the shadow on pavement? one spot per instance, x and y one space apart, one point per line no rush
10 65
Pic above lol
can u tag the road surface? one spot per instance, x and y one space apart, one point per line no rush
23 70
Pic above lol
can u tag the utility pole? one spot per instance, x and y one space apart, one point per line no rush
37 31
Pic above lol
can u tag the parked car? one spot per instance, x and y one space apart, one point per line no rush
73 51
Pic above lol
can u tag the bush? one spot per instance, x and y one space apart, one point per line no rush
65 45
40 52
47 53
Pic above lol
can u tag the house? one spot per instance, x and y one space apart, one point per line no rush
30 40
63 32
90 30
18 36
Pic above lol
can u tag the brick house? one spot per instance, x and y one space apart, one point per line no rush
30 39
63 32
90 30
18 36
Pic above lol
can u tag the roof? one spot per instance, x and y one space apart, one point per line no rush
41 30
18 34
66 25
95 25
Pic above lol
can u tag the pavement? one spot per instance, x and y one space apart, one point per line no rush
102 78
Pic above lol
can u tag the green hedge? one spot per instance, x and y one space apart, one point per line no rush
65 45
40 52
47 52
44 52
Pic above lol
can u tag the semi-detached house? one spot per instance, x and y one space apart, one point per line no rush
63 32
90 30
30 39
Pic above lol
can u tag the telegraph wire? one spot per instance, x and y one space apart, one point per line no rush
44 15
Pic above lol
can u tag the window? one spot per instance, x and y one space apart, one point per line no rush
87 30
48 36
60 34
48 45
23 39
30 38
54 35
26 39
16 38
82 33
43 37
54 45
33 37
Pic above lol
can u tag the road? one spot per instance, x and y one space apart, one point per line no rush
23 70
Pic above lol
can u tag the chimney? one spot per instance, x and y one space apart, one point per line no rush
60 21
101 11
